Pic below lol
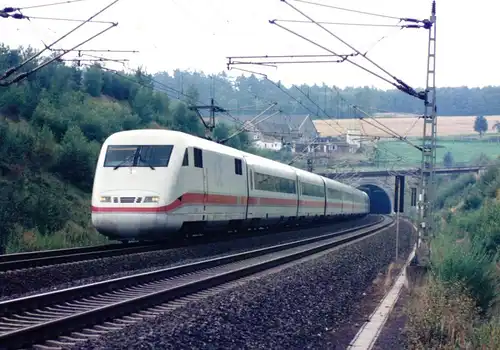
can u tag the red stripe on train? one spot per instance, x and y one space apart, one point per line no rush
215 199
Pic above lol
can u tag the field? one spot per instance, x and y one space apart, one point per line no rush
404 126
455 134
462 151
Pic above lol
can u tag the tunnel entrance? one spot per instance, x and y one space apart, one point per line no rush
380 203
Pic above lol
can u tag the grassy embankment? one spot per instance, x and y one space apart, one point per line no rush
458 306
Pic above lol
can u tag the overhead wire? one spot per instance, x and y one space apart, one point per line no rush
168 90
342 129
298 101
348 10
49 4
401 85
14 69
24 75
340 23
22 16
380 125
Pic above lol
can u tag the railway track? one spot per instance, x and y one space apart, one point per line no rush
20 261
79 313
27 260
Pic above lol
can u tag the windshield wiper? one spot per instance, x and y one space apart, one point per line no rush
147 163
124 161
129 158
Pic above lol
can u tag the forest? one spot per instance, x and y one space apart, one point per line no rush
52 125
251 94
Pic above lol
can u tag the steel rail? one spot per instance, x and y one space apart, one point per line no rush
20 261
27 260
34 319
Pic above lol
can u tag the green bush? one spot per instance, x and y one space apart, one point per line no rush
451 191
465 262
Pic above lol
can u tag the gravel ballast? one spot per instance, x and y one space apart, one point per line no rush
20 283
302 306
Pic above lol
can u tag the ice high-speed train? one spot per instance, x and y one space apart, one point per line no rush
150 184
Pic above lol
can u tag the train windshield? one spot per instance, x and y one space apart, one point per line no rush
138 156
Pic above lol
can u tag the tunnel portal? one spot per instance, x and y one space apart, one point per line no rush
380 203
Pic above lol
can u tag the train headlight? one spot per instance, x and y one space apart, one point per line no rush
105 199
153 199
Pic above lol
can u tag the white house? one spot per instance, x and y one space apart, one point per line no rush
264 142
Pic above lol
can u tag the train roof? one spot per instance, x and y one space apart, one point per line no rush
307 175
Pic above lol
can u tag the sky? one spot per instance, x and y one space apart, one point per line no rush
200 34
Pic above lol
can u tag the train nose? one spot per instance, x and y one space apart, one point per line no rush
130 225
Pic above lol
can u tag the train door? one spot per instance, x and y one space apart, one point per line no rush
249 185
205 190
297 188
198 163
342 200
325 195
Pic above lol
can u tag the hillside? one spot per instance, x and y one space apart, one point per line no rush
51 129
459 304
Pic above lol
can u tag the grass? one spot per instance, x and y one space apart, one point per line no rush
77 231
444 316
462 151
72 235
400 155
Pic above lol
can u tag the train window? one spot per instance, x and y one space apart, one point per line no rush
238 167
198 157
185 160
312 190
138 156
334 194
264 182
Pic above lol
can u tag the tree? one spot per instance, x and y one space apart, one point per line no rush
192 95
93 81
480 125
448 160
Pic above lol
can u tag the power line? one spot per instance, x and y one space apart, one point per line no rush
21 16
171 92
98 50
343 23
49 4
401 85
348 10
24 75
322 110
21 76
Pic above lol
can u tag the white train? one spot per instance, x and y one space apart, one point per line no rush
150 184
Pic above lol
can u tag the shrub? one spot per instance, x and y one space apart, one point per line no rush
441 316
468 263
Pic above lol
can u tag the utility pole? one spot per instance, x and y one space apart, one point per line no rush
399 205
396 209
427 176
210 126
310 164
